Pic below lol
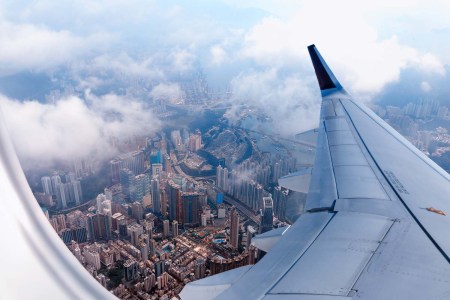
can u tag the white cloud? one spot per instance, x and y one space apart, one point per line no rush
182 60
290 101
425 86
218 55
74 128
31 47
350 44
170 92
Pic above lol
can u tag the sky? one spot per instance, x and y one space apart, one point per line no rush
64 65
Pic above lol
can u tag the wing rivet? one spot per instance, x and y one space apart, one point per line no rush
437 211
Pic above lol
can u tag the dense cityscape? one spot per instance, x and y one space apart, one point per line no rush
168 142
182 206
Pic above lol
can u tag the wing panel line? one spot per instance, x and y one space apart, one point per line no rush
392 187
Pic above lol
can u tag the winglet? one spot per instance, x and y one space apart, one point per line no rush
326 78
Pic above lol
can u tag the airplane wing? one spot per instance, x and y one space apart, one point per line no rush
35 262
376 225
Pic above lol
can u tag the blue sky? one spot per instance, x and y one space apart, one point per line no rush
257 48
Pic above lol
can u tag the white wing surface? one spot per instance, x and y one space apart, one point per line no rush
35 262
375 226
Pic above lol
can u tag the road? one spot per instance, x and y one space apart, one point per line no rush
242 208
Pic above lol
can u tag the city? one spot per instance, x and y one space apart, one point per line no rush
185 204
206 149
172 214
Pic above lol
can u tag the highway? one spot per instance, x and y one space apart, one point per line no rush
242 208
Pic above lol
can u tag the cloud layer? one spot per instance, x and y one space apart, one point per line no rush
74 128
108 53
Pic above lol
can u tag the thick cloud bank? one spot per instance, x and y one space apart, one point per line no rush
74 128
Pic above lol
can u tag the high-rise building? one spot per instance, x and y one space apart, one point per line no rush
175 204
156 195
149 282
195 142
279 202
175 228
61 219
127 182
267 215
102 280
135 230
166 228
167 166
191 208
134 161
66 235
143 247
92 257
137 210
99 200
163 280
160 267
164 201
79 234
62 194
56 180
116 166
131 270
77 192
222 178
250 234
276 172
47 185
98 226
157 169
200 268
142 187
234 228
152 247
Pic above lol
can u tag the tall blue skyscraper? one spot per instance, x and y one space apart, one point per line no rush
156 195
127 182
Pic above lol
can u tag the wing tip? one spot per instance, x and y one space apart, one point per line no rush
325 77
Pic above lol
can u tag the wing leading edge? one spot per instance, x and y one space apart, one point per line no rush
367 233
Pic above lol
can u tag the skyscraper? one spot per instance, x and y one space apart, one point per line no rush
175 228
152 247
77 192
267 215
142 187
98 226
56 180
160 267
47 185
234 228
191 208
135 231
174 197
222 178
134 161
100 198
166 228
131 269
137 210
127 182
62 194
156 195
200 268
